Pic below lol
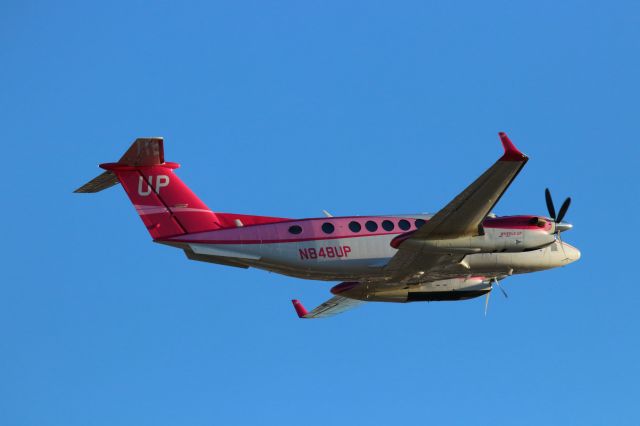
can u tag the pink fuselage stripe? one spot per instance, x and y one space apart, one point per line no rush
269 233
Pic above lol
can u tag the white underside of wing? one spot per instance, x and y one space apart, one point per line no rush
334 306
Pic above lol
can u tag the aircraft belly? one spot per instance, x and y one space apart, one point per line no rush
232 251
443 296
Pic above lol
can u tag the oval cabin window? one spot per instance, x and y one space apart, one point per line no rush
295 229
387 225
327 228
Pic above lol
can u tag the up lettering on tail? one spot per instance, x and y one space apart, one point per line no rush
161 182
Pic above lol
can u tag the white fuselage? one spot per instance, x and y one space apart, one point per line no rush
362 256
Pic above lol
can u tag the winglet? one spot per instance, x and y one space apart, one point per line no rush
511 153
300 310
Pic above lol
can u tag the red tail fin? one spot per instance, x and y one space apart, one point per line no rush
165 204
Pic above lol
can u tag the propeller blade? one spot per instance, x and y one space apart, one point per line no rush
550 208
563 209
501 289
559 239
486 302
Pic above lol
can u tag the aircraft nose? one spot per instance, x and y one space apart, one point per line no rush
572 253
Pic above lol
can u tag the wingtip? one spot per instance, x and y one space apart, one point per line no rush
300 309
511 153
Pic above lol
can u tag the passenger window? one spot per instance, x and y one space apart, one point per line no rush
355 226
371 226
387 225
404 224
420 222
327 228
295 229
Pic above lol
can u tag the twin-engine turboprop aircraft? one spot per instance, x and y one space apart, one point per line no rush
458 253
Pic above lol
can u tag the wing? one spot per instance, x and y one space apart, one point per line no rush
462 217
334 306
464 214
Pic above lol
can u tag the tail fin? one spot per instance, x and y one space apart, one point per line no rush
165 204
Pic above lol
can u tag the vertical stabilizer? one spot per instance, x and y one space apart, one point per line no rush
165 204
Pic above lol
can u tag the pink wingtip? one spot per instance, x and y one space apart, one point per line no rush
511 153
300 310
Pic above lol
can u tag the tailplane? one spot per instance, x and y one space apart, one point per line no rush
165 204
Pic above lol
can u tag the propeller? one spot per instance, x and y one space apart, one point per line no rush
559 226
552 211
486 302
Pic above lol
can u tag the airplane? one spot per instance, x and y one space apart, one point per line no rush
458 253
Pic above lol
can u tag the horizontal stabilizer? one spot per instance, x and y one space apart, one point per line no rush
99 183
143 152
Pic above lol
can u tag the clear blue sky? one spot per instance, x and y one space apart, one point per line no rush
285 109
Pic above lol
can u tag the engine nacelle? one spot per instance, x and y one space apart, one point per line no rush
451 289
493 241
